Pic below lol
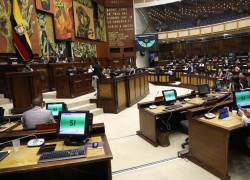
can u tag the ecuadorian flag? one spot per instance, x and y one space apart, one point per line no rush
21 38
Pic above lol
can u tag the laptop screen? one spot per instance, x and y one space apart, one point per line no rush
242 98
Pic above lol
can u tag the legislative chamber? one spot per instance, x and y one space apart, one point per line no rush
125 89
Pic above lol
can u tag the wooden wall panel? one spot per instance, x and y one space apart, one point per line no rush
105 91
142 83
137 87
132 89
102 50
121 94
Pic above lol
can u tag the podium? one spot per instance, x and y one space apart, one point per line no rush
24 87
75 85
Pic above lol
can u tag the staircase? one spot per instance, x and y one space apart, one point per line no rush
3 100
81 103
6 104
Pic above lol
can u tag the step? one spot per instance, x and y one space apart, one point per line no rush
4 101
49 95
85 107
77 103
97 111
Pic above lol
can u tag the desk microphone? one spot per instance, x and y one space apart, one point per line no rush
153 106
36 142
31 143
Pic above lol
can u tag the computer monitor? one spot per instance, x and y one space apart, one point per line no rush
242 98
218 85
169 95
73 126
55 108
203 89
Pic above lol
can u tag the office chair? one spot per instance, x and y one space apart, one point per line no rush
247 141
184 127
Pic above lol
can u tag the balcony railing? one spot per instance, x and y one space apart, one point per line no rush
219 28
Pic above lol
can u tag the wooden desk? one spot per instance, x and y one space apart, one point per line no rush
71 86
8 127
115 94
149 121
41 69
59 69
149 118
137 87
161 78
24 163
153 78
209 141
25 86
192 79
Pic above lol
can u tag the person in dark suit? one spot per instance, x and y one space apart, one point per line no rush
98 71
235 84
97 74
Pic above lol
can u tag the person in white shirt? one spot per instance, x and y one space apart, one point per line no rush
91 69
36 115
245 115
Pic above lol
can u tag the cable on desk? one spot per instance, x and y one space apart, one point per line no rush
166 123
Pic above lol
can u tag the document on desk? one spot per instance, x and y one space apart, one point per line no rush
7 126
95 139
95 151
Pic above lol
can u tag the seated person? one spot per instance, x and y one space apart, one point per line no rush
27 68
106 73
237 69
36 115
170 72
190 69
220 74
90 69
123 70
130 70
228 76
